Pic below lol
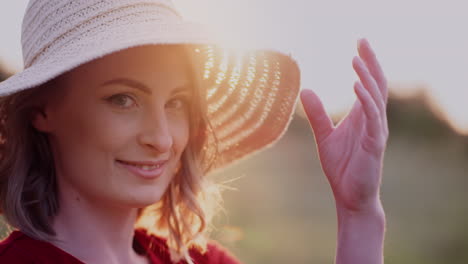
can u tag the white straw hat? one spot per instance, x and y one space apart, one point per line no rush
251 95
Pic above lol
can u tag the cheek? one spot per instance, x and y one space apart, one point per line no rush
97 131
180 132
88 139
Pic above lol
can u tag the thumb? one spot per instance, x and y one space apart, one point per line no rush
320 122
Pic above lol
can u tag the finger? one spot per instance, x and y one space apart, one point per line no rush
320 122
370 110
374 67
369 83
369 57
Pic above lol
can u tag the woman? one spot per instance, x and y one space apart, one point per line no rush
123 109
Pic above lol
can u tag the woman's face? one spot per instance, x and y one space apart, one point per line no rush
128 106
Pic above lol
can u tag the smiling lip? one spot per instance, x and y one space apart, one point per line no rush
147 174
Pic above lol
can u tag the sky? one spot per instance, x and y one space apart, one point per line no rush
419 43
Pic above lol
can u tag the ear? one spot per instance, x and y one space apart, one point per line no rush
40 120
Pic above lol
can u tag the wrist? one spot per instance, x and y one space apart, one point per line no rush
371 209
361 234
371 217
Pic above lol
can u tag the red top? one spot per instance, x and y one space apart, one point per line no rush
18 248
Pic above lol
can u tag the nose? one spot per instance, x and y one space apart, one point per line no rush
156 132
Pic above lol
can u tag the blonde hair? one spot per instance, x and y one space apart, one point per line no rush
28 189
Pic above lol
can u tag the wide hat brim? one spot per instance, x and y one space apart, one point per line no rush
251 95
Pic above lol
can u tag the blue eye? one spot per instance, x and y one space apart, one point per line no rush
121 100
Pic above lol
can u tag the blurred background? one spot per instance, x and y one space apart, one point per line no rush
281 209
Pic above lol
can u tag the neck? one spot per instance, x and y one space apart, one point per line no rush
95 232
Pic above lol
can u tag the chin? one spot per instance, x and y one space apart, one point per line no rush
142 198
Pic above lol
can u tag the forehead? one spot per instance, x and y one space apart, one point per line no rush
155 65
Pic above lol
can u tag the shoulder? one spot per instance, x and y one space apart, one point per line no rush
215 254
18 248
13 248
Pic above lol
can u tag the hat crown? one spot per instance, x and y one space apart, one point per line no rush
45 21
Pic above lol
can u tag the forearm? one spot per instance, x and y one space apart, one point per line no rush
360 236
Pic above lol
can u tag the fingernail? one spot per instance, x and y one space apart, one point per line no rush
359 42
363 40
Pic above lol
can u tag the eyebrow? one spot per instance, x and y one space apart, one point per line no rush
139 85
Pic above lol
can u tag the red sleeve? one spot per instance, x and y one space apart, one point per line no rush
216 254
14 255
157 248
10 252
18 248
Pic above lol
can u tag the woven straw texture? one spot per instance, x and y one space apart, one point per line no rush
251 95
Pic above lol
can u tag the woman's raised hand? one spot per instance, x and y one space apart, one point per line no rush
351 154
